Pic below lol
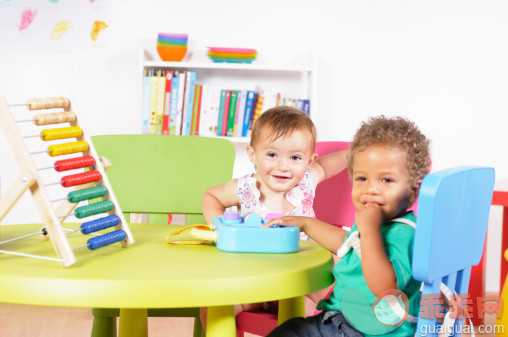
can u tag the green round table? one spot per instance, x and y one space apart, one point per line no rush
153 274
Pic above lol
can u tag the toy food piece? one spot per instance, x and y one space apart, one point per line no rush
237 234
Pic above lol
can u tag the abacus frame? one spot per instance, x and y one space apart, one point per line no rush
30 179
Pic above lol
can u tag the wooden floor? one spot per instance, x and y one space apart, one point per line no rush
36 321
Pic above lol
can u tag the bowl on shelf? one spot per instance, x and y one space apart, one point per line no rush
172 47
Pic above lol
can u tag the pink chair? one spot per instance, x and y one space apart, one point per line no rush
333 205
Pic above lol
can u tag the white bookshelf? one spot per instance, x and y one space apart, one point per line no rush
291 75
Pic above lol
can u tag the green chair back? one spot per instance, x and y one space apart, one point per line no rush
158 174
161 175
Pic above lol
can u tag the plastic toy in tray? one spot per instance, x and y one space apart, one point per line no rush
237 234
231 55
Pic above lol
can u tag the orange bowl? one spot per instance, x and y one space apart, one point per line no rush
172 53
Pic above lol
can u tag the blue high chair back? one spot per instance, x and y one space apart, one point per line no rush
451 226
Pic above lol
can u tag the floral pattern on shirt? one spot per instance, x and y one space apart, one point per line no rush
301 196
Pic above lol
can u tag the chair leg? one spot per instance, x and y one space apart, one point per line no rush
104 327
198 328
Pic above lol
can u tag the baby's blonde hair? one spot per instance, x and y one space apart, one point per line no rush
281 121
397 132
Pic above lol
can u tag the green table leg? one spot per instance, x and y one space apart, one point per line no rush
220 322
133 323
104 327
291 307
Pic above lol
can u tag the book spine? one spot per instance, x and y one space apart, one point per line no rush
224 127
249 108
306 106
167 103
221 111
240 114
232 113
188 102
196 110
174 103
204 111
179 106
146 101
161 90
215 100
154 82
249 103
258 108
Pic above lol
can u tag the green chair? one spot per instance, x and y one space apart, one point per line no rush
161 175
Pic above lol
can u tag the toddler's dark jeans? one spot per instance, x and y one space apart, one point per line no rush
325 324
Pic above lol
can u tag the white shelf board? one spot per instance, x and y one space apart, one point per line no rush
225 66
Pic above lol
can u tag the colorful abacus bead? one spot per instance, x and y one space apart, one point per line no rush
80 178
54 118
48 103
97 208
87 194
67 148
74 163
99 224
61 133
106 239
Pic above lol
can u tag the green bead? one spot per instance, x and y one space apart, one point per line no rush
87 194
97 208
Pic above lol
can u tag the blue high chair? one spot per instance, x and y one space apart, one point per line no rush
450 232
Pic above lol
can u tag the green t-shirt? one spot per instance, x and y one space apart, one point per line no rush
352 296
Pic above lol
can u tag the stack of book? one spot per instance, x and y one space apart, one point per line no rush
175 104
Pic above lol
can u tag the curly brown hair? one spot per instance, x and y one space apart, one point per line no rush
399 133
281 121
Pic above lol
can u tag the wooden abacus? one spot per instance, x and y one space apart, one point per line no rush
89 184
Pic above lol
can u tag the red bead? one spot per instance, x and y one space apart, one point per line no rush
74 163
80 178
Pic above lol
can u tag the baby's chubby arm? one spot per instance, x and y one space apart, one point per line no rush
217 198
328 165
326 235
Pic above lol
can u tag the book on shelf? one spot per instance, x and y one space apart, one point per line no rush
221 112
225 113
209 115
222 122
250 104
258 108
204 113
174 102
167 102
266 99
240 113
271 99
154 83
196 110
306 106
231 113
146 100
179 105
161 89
190 83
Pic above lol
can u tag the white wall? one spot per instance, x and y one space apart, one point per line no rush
441 63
